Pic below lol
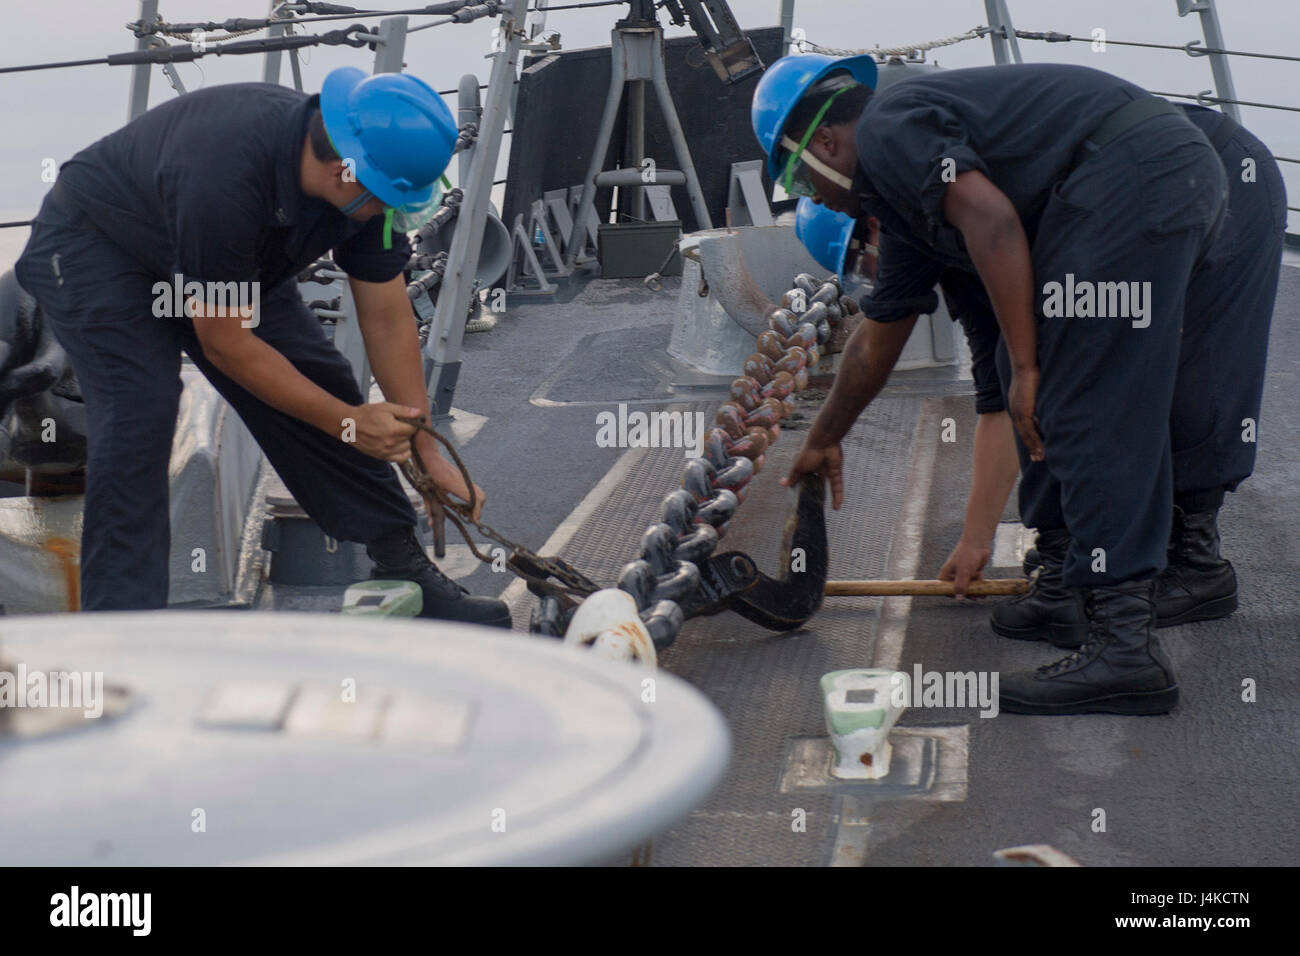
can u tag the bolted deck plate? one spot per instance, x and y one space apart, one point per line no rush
928 764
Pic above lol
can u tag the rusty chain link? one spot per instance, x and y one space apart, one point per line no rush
535 569
673 576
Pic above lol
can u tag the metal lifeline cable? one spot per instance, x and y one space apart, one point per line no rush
1206 98
353 36
236 24
1191 48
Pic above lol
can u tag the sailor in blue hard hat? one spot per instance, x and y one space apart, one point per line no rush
827 235
228 191
1090 212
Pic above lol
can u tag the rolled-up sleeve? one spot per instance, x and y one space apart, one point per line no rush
913 148
904 286
363 256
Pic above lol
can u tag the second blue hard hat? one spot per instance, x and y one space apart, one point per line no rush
825 233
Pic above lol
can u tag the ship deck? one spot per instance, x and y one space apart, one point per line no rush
1205 785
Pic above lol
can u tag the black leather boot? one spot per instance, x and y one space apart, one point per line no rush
1120 669
1197 584
1048 610
401 557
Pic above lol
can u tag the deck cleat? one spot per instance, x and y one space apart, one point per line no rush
862 706
608 624
383 599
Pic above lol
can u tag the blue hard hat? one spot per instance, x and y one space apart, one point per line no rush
825 233
785 83
394 127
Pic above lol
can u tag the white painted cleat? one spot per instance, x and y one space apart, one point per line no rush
383 599
608 623
862 707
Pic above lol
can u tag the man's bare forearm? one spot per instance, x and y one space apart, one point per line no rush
393 347
869 357
999 250
993 475
266 373
1001 255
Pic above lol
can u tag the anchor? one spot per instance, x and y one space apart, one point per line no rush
731 581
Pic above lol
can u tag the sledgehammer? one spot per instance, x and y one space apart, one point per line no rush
976 588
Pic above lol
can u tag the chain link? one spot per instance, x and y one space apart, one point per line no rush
532 567
693 519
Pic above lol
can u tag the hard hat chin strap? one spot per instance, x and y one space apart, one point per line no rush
361 200
801 153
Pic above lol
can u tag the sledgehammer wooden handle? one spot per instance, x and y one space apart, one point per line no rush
978 588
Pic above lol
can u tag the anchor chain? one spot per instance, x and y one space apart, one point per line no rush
676 574
536 570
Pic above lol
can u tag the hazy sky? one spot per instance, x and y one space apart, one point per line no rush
52 114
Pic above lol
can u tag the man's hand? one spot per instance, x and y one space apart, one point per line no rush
824 460
380 434
446 475
1021 397
963 566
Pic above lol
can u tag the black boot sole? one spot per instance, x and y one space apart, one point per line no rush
1207 611
1132 704
1055 634
503 621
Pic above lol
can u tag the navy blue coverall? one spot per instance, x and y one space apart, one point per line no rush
1145 208
1213 422
1222 351
206 187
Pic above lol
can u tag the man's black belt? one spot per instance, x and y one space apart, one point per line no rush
1118 122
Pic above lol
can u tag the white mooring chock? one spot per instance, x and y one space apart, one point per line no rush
862 707
608 624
